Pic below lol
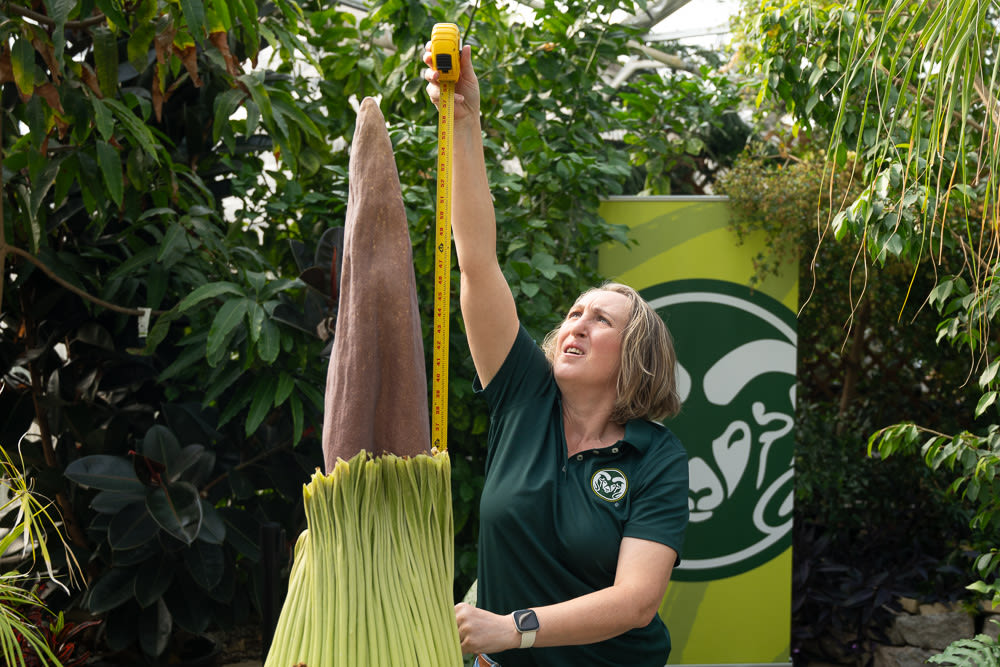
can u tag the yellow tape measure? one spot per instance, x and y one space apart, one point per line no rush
445 54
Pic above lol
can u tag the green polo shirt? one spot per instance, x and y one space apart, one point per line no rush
550 526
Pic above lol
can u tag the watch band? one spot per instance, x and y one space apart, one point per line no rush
526 623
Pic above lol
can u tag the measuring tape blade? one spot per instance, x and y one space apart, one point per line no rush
445 52
442 271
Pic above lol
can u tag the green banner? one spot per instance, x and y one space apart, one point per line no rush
729 601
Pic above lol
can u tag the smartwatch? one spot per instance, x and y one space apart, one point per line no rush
527 624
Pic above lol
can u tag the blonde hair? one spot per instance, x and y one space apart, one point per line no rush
647 386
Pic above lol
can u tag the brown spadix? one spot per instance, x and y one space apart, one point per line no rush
376 387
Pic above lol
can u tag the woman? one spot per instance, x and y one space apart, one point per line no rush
585 502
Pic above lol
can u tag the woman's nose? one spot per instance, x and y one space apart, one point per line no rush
578 327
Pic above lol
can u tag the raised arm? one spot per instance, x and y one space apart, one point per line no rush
486 300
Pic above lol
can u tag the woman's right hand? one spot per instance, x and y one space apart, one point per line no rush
488 308
466 88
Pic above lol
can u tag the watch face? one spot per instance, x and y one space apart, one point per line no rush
525 620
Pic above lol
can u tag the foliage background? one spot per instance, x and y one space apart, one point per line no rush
191 159
889 109
866 531
187 162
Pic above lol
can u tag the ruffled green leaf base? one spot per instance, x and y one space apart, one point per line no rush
371 583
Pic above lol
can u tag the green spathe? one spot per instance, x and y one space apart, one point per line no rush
371 582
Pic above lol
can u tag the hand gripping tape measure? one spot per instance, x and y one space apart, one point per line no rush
445 53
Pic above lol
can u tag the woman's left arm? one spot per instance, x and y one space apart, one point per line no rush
641 579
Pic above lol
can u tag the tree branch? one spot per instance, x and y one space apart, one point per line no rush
13 250
83 24
654 14
668 59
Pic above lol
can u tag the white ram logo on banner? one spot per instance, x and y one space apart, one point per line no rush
738 384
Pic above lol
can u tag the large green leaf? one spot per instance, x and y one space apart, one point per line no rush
226 105
189 457
22 60
106 60
208 291
154 578
142 258
255 86
246 15
310 392
194 14
217 17
161 445
112 502
141 555
206 564
230 315
140 42
221 381
112 10
176 508
155 625
135 128
269 344
132 527
108 473
111 168
241 398
287 108
255 319
230 590
213 527
156 284
113 589
58 11
263 398
189 357
298 421
41 185
121 627
273 286
103 117
176 242
286 383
